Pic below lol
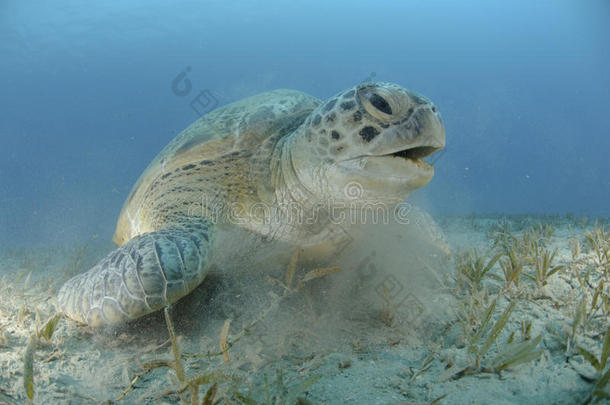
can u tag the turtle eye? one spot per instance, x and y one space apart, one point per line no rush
379 102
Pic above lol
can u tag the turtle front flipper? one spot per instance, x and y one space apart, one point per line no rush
146 274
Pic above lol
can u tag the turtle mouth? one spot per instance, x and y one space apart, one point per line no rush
398 161
416 153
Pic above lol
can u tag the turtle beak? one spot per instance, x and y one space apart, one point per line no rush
422 135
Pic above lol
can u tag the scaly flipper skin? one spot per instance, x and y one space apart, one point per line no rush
146 274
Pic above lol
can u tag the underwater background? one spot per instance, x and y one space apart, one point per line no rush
88 95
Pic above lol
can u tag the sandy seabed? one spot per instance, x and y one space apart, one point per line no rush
362 335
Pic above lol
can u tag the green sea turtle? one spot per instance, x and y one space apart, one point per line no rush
275 166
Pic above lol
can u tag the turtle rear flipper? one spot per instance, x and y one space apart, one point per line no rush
146 274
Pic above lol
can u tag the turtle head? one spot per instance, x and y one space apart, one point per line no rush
368 142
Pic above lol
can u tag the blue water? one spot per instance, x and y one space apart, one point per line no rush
86 99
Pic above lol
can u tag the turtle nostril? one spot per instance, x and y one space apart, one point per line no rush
433 108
